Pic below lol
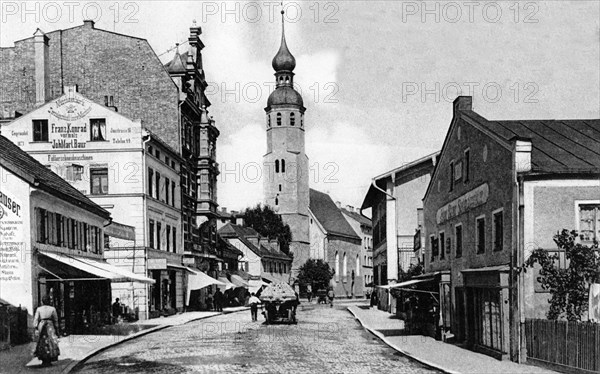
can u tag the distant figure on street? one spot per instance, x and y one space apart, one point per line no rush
330 295
116 309
46 324
374 299
309 292
209 302
218 300
254 302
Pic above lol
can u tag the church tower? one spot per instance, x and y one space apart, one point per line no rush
285 163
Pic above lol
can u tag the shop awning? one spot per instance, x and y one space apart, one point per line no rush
226 283
198 280
255 285
238 281
98 269
409 282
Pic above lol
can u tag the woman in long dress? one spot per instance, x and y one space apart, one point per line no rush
46 323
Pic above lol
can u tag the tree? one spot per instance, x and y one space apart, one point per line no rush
317 273
568 286
412 271
269 224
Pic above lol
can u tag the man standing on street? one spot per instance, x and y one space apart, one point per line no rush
330 295
254 301
218 300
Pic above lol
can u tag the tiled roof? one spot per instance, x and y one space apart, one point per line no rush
358 217
29 169
231 230
227 248
558 146
329 215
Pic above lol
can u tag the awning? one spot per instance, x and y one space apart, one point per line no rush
238 281
255 285
409 282
98 269
226 284
198 280
174 266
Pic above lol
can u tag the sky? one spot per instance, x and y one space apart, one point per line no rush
378 77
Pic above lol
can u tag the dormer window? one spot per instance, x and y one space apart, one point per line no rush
278 119
292 119
40 130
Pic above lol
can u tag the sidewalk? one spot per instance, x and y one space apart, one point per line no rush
439 355
75 348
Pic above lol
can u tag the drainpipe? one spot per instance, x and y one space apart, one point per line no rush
144 223
522 353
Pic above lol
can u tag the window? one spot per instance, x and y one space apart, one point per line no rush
467 165
433 243
174 240
293 119
337 266
157 186
498 232
97 129
278 119
277 166
158 235
157 153
276 201
168 238
442 245
283 166
150 180
173 193
451 175
480 226
589 222
357 265
279 188
41 223
40 130
99 181
345 268
167 184
74 172
151 234
459 240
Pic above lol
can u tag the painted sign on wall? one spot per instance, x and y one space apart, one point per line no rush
464 203
12 245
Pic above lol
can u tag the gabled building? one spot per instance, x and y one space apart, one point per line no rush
363 228
500 190
260 258
52 244
124 72
334 240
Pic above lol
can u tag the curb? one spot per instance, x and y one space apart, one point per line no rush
72 366
400 350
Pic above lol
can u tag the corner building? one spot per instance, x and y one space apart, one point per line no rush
286 164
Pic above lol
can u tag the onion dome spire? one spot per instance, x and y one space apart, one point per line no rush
283 60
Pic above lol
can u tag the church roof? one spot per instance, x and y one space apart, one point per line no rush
231 230
283 60
357 217
329 215
177 64
30 170
285 95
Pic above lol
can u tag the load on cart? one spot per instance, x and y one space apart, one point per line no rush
280 302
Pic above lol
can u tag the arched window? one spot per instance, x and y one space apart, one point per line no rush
357 265
269 121
345 267
292 119
276 201
277 166
278 119
337 266
302 120
283 166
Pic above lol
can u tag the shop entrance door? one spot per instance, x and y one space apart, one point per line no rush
460 314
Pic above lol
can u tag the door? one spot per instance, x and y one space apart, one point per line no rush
460 313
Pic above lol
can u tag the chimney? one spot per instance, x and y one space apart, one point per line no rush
88 24
254 240
42 81
239 220
350 208
339 204
274 244
223 209
522 155
463 103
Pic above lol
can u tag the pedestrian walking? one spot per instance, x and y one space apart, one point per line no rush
374 299
330 295
254 302
218 300
309 292
45 322
116 310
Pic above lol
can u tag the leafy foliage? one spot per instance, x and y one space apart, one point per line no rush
269 224
317 273
568 286
412 271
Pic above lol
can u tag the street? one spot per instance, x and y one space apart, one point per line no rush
327 340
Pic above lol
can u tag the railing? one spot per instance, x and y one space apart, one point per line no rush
13 326
569 344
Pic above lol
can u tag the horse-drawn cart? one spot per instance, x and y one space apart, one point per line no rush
280 302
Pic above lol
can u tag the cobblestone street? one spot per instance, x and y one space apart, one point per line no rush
324 340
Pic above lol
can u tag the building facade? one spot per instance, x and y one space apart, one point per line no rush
363 228
500 190
124 72
52 244
286 163
128 171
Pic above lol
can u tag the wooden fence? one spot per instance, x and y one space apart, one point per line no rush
572 345
13 326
